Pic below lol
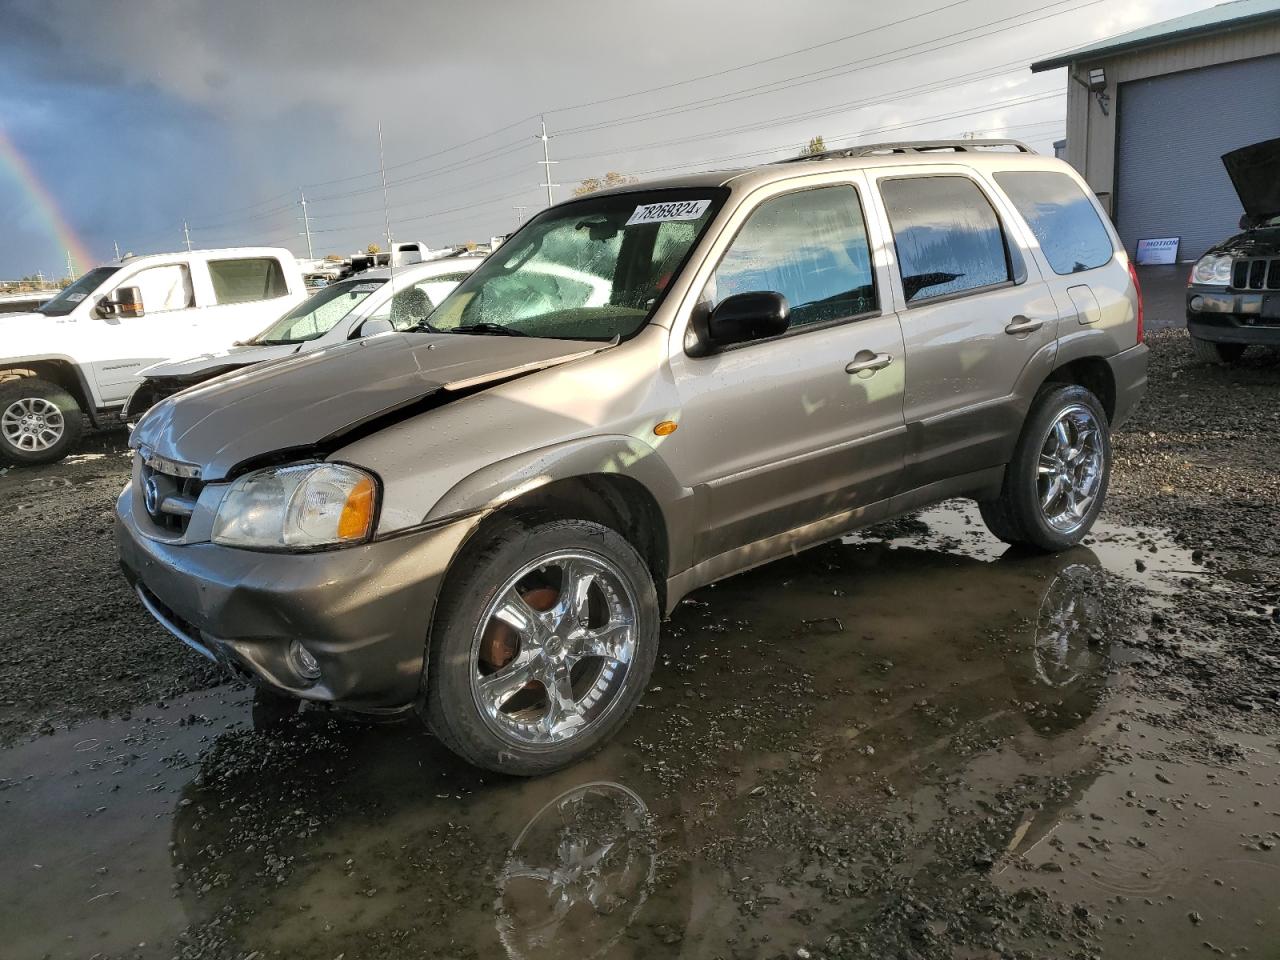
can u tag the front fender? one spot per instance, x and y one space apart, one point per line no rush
500 483
89 396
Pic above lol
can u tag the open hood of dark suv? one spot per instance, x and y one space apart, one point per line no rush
314 400
1255 173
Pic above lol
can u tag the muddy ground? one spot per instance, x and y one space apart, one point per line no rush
913 743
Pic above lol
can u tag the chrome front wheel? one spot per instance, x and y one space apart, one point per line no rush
544 640
552 650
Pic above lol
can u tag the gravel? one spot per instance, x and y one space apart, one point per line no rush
843 754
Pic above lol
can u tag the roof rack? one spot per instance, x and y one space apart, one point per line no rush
913 146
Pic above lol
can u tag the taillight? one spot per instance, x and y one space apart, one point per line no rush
1137 288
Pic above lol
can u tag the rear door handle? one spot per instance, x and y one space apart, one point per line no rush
877 361
1021 324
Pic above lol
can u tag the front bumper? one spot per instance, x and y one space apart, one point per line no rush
1220 316
363 612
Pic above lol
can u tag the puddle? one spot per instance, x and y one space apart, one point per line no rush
880 747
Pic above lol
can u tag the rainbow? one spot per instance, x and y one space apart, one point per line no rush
44 203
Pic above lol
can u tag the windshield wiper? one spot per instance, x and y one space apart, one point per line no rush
495 329
425 326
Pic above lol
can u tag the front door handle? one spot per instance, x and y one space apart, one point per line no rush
1021 324
872 363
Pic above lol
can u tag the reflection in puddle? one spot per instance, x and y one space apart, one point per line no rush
890 746
577 875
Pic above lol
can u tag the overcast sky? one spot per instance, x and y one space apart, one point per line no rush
137 114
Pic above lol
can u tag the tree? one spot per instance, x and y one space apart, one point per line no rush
610 179
372 249
816 145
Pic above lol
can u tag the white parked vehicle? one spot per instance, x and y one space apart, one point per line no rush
80 353
375 301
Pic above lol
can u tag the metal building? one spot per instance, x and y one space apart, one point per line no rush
1149 114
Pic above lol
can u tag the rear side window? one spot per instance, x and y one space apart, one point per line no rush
241 281
811 247
947 235
1062 218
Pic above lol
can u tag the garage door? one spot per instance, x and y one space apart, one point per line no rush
1173 129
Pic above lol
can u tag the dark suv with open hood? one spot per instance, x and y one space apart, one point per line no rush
1233 294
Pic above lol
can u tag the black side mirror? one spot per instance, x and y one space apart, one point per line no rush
748 316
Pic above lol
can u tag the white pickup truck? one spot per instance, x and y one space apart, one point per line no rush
79 353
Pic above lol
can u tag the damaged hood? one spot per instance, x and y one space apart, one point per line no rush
211 364
313 399
1255 173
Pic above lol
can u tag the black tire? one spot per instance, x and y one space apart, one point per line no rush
272 711
1208 351
33 389
1016 516
450 707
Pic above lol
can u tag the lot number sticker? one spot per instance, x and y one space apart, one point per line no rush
664 212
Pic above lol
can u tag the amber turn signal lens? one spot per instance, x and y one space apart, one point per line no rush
665 428
357 514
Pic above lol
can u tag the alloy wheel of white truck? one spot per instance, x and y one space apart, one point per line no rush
39 421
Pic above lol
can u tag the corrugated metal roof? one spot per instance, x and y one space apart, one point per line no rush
1224 16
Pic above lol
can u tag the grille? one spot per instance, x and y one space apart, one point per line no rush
170 500
1262 273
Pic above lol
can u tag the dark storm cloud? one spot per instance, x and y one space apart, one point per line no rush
140 113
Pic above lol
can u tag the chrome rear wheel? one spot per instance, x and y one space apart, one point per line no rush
1069 474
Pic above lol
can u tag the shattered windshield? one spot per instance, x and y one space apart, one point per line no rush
319 313
74 295
594 269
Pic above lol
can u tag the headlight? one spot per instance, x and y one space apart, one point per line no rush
296 507
1213 270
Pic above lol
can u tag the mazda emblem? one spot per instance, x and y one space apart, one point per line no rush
151 496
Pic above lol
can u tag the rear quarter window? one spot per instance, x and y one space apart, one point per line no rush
1060 215
243 281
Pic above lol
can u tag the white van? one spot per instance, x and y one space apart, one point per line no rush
80 352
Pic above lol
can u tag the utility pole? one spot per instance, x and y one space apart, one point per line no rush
382 169
116 244
71 269
519 214
186 235
546 162
306 222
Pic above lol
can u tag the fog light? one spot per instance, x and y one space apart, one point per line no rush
1197 303
304 664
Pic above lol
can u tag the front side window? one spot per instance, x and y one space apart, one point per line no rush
593 269
243 281
75 294
811 247
1064 221
163 288
319 313
947 235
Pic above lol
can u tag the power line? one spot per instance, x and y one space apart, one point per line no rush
756 63
827 74
785 83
